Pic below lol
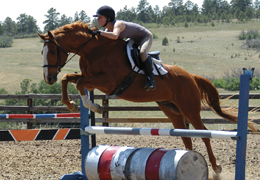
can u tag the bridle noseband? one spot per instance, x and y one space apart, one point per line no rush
59 48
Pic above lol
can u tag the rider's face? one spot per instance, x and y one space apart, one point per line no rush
101 20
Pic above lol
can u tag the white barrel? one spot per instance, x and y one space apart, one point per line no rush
137 164
116 162
92 161
183 165
119 162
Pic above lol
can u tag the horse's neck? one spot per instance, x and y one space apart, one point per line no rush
75 41
102 44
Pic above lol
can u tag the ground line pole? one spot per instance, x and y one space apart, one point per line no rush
242 127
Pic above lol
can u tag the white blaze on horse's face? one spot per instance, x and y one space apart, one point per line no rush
45 62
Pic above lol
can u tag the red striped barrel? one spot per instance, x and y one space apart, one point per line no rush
116 162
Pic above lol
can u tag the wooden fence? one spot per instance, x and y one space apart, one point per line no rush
105 119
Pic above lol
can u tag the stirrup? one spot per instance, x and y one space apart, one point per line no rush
152 87
149 84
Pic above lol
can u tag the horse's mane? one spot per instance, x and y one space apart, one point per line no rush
82 29
73 27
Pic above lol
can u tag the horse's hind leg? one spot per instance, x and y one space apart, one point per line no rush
178 121
197 123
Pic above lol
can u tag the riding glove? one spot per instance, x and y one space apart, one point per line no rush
96 32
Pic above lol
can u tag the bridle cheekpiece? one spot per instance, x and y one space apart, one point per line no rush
59 49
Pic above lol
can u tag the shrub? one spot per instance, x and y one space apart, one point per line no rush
233 84
165 41
41 88
178 40
186 25
255 84
249 35
155 36
6 41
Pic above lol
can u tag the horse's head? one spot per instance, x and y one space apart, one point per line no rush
54 57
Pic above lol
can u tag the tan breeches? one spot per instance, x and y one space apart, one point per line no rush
145 45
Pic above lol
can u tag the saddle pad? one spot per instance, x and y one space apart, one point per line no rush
159 66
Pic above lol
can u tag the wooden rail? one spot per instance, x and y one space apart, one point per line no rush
106 108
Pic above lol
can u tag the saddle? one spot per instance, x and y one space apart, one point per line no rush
133 53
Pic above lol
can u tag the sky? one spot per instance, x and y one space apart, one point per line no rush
37 9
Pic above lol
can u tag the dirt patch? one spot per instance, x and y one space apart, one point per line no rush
51 159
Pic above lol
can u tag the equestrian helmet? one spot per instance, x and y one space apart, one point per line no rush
106 11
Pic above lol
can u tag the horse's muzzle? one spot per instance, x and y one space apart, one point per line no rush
51 79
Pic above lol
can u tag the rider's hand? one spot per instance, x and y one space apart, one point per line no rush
96 32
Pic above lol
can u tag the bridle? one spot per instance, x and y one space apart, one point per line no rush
59 49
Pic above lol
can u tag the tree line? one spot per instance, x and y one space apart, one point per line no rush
175 12
26 24
27 27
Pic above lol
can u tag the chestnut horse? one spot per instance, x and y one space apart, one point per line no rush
104 65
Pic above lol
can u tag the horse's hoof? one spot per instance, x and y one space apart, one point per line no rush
74 108
218 169
97 108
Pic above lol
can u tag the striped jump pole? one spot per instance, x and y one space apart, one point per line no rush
36 116
162 132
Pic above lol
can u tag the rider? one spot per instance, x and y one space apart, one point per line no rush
118 29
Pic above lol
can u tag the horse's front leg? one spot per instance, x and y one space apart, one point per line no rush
90 83
88 103
73 78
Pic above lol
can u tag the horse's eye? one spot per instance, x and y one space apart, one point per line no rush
52 52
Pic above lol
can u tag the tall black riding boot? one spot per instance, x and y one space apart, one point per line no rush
148 69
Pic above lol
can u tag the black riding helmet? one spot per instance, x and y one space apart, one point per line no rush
106 11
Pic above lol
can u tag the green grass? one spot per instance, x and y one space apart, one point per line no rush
24 60
206 50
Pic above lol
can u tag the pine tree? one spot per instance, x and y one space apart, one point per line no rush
52 20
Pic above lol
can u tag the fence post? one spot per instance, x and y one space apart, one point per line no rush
105 103
242 127
93 122
29 104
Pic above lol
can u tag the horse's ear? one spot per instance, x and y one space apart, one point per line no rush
52 37
43 37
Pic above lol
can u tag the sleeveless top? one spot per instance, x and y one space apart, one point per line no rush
134 31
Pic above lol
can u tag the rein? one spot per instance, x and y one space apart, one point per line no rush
59 48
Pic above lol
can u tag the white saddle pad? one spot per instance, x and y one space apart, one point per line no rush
155 61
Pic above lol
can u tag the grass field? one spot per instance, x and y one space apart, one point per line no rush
207 50
203 50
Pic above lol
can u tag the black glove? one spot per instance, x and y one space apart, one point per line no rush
96 32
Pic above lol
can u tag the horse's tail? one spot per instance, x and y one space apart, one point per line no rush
209 95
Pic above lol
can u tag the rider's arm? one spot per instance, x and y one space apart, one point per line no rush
118 27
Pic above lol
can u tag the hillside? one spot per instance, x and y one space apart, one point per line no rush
203 50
